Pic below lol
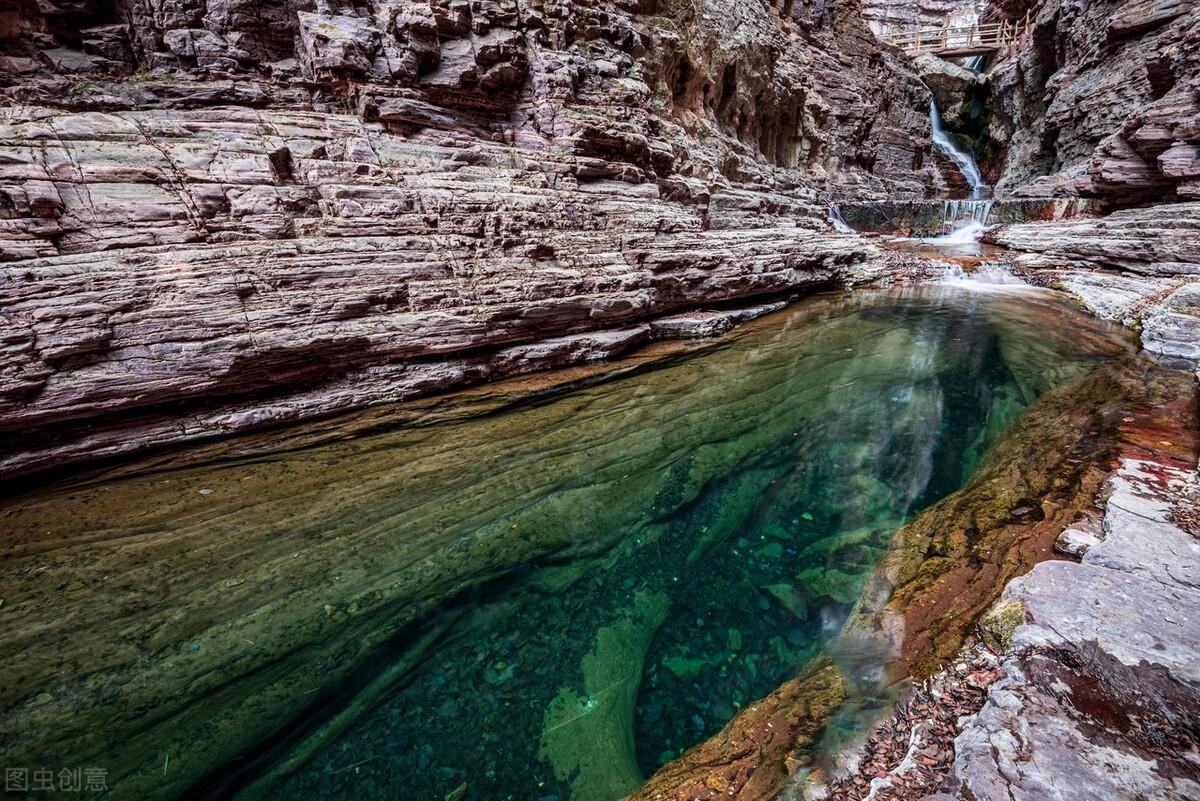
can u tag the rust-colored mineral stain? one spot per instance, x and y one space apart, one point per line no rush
748 760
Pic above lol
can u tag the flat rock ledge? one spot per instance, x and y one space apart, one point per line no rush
1099 696
1140 267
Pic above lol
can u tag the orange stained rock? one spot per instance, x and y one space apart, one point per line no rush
748 760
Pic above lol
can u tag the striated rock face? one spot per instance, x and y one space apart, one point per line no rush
902 15
714 91
225 214
1103 101
1139 266
1159 240
234 336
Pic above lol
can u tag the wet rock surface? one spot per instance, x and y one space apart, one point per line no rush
953 86
267 332
1140 267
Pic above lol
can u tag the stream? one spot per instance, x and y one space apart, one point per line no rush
547 601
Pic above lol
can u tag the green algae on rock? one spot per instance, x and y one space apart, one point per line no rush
588 737
950 563
502 545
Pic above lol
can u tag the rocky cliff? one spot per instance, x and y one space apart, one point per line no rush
1102 100
889 15
219 214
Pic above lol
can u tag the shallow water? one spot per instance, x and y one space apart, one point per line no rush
963 247
545 602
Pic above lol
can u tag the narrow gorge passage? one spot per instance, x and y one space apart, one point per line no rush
600 400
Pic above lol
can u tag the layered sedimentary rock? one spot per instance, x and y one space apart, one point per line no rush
265 332
1139 266
1099 689
1101 100
1159 240
886 16
218 215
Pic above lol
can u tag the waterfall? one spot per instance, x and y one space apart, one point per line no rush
987 276
839 223
964 161
960 215
974 64
962 223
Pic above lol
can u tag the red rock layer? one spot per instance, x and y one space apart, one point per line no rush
218 214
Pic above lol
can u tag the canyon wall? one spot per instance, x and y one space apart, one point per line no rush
885 16
218 214
1101 100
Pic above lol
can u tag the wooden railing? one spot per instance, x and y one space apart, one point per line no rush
959 41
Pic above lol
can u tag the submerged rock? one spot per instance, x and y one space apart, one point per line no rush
790 597
951 562
588 735
1080 670
948 565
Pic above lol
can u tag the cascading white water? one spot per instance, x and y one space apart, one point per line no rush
963 160
984 277
961 214
974 64
839 224
962 224
966 235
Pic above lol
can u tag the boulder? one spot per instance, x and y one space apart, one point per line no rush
952 85
336 44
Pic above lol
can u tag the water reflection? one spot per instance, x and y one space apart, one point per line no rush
546 602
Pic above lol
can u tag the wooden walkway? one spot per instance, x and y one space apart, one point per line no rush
948 42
